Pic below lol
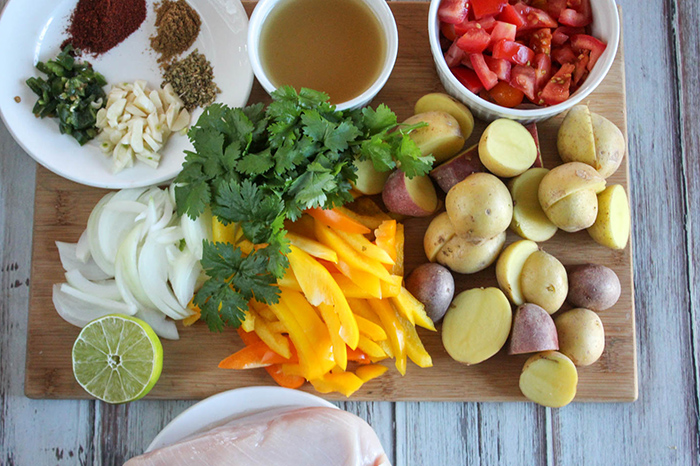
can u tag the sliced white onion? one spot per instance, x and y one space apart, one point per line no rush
70 261
92 234
82 251
106 289
79 308
126 269
184 273
164 327
196 231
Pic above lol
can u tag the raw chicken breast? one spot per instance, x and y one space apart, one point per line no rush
296 437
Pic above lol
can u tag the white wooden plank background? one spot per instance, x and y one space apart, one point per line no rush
662 428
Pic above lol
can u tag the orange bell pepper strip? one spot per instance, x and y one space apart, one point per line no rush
334 218
365 281
196 314
364 246
358 356
319 287
394 330
385 237
252 357
312 247
349 288
398 267
365 211
340 354
412 309
346 383
284 380
369 372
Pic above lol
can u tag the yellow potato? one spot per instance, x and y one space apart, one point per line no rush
575 212
507 148
439 232
445 103
566 179
581 336
476 325
442 137
612 225
510 266
610 145
479 206
544 282
369 181
549 379
464 256
529 220
575 140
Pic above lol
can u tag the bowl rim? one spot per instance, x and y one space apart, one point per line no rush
387 22
543 112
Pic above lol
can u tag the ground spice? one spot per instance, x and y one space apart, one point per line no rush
177 27
193 80
97 26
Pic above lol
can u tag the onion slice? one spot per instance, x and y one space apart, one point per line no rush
78 308
106 289
164 327
70 261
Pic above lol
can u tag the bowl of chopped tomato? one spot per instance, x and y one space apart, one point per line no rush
527 60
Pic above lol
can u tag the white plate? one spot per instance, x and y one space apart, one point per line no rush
229 405
33 30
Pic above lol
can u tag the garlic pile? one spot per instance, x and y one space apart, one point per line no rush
137 122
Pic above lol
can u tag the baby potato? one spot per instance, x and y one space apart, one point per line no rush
369 180
507 148
612 224
529 220
434 286
442 137
543 281
533 331
581 336
476 325
567 179
439 232
479 206
575 212
610 145
549 379
438 101
595 287
464 256
510 266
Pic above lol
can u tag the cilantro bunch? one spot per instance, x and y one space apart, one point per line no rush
258 167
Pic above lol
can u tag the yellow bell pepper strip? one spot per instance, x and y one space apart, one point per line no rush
275 370
365 211
346 383
319 287
365 281
414 346
372 349
346 253
369 328
276 341
339 347
264 311
276 327
248 323
398 267
293 370
196 314
385 237
252 357
303 226
313 247
391 289
385 345
339 221
412 309
394 330
223 233
372 371
349 288
364 246
245 246
289 280
362 308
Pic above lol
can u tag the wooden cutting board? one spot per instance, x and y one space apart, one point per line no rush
190 367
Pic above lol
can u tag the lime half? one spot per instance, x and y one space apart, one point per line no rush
117 358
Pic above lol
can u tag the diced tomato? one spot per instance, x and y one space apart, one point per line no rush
448 30
499 66
453 11
564 54
514 52
577 17
581 69
563 33
466 62
558 37
468 78
482 8
557 89
582 42
454 55
534 17
555 7
541 41
511 15
475 40
506 95
502 31
487 23
543 69
487 77
525 79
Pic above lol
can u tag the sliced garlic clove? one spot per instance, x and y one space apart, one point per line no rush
182 121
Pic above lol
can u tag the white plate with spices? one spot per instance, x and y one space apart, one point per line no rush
33 30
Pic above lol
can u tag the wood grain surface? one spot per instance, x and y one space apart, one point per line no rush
62 208
661 428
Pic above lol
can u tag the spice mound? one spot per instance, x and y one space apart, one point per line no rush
97 26
193 80
177 27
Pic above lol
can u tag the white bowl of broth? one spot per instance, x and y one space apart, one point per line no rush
345 48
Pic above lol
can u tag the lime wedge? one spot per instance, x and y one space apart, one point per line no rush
117 358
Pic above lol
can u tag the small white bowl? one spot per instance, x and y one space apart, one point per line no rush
386 19
606 26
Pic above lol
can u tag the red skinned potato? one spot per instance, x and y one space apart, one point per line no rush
457 168
434 286
532 128
533 331
415 197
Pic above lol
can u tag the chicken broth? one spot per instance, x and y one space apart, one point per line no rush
334 46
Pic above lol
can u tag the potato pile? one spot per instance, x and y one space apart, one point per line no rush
500 183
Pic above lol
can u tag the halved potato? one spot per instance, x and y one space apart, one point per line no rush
533 331
567 179
575 140
442 102
544 282
442 137
610 145
369 181
612 225
415 196
529 220
479 207
464 256
575 212
439 232
507 148
510 266
549 379
457 168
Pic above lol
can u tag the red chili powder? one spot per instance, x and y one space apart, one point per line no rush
97 26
